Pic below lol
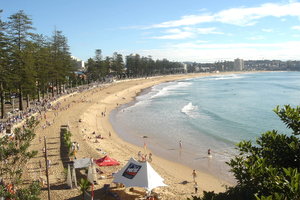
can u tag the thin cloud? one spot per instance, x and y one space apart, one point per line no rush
267 30
190 45
241 16
185 21
296 28
258 37
187 32
211 30
213 52
174 34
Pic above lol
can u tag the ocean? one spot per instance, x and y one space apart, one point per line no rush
213 112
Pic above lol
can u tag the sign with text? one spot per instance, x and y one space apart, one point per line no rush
131 171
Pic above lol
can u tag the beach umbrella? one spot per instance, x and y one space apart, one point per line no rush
74 177
90 175
69 177
139 174
106 161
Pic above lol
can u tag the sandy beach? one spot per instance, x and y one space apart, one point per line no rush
83 113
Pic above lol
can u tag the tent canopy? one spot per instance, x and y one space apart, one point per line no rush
82 163
139 174
106 161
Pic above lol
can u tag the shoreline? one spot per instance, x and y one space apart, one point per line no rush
172 172
88 106
170 151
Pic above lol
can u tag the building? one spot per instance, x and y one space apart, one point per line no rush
238 64
79 64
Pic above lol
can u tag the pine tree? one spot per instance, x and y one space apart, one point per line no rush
19 27
61 62
3 64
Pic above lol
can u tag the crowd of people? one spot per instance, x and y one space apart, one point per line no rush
39 107
18 116
144 157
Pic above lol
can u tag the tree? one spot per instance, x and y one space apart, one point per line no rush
97 68
14 152
19 27
3 64
14 155
269 169
30 193
42 63
117 63
61 62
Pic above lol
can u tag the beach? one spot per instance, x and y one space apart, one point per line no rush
87 114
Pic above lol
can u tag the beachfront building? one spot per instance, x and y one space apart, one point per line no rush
79 64
238 64
184 67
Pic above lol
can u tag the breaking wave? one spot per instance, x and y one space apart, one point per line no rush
190 110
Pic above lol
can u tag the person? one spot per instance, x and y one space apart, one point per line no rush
48 163
194 174
74 152
208 152
196 187
109 134
73 146
150 157
40 164
77 144
180 144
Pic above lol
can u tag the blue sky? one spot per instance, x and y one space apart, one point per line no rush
179 30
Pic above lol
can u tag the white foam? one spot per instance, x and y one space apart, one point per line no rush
226 77
190 110
169 89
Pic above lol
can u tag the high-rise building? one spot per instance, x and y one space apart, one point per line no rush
238 64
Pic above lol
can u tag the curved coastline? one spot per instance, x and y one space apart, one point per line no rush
165 150
88 107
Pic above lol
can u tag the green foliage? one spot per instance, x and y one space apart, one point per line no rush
14 153
84 185
67 139
269 169
290 116
30 193
29 62
146 66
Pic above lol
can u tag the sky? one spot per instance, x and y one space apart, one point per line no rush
178 30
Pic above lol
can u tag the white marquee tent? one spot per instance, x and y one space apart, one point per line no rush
138 174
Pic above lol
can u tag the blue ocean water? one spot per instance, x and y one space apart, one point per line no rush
213 112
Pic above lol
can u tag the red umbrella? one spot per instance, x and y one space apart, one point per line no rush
106 161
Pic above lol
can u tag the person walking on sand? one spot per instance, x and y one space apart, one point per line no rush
194 174
139 155
196 187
